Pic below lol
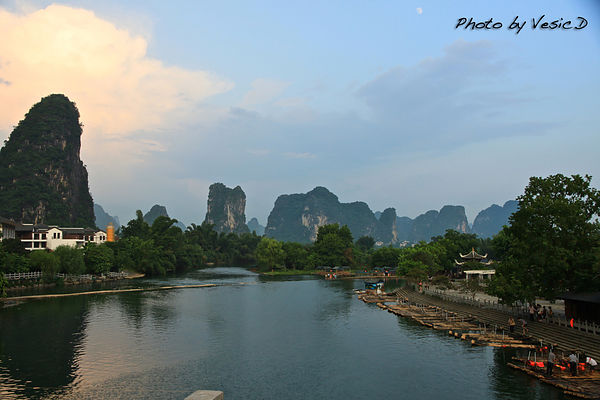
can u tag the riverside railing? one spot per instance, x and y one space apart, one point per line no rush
520 310
38 274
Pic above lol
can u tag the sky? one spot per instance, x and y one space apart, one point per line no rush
385 102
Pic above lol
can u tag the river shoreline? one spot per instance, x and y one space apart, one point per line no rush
72 283
111 291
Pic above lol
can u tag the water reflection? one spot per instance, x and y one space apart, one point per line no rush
274 338
40 358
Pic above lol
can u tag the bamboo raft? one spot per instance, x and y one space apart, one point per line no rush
586 385
461 327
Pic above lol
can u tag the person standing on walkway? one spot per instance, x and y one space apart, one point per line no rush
573 361
531 312
511 324
544 313
550 314
550 363
524 326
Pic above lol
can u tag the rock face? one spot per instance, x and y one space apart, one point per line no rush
226 209
491 220
434 223
158 211
103 218
255 226
155 212
42 178
297 217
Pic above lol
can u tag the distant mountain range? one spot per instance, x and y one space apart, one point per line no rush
157 211
43 180
489 221
103 218
255 226
297 217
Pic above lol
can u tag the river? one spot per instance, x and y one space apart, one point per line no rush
251 336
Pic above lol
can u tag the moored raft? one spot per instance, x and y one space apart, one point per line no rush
585 385
462 327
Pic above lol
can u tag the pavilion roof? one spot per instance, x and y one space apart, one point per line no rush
473 255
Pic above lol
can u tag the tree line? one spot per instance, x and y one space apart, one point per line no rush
550 246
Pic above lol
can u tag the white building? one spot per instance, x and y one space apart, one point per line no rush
7 229
39 237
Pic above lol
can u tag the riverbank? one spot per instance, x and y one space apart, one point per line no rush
112 291
68 280
486 326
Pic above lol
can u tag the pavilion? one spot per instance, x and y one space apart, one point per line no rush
471 258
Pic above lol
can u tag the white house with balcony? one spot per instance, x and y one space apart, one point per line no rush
39 237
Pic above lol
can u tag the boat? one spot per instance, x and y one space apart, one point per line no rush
373 284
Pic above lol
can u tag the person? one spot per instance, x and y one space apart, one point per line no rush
544 313
531 312
550 314
511 324
524 326
591 362
573 361
550 363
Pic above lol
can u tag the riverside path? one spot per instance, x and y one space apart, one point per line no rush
563 338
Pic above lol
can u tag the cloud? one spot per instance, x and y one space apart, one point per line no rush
419 10
460 96
263 91
258 152
305 155
105 70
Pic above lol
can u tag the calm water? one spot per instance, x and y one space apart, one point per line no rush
251 337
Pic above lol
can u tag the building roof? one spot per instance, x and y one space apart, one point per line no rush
24 227
73 230
586 297
6 221
472 255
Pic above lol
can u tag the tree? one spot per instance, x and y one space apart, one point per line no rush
386 257
270 254
451 244
3 284
137 227
11 263
365 243
333 246
70 260
422 258
553 241
44 261
14 246
98 258
471 286
296 255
